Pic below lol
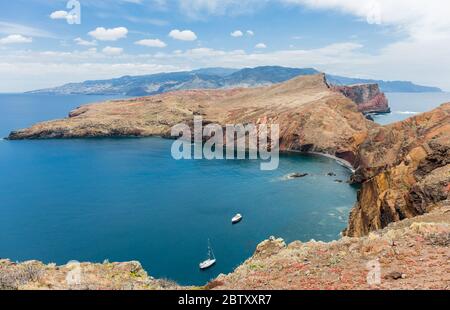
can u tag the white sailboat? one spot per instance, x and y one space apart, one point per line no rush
211 259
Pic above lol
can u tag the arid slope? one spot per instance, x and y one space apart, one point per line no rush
312 117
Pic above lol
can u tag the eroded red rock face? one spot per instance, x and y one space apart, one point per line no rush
368 97
404 169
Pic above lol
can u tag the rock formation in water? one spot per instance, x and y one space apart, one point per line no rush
368 97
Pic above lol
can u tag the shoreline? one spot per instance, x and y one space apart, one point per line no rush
340 161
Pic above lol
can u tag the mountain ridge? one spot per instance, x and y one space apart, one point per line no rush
215 78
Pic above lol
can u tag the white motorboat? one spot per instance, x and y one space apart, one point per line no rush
211 259
236 219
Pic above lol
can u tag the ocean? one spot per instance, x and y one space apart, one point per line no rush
405 105
127 199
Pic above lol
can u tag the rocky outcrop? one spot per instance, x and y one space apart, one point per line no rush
404 168
368 97
412 254
312 117
34 275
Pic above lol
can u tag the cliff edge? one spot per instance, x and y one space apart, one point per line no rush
404 169
368 97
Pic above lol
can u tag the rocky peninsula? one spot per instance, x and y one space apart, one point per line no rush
402 211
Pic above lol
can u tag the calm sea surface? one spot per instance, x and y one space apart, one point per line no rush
127 199
404 105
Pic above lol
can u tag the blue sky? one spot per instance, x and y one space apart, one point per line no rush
395 39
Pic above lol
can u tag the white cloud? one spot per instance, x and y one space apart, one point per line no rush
416 17
15 39
112 51
23 70
250 33
113 34
151 43
71 18
261 46
59 15
421 56
82 42
237 34
185 35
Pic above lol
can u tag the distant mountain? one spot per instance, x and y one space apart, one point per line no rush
216 71
214 78
265 76
385 86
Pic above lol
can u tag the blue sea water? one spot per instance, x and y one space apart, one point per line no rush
405 105
127 199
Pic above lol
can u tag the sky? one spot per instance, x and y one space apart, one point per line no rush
50 43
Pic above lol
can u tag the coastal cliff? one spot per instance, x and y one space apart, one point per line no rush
411 254
404 169
312 116
402 213
368 97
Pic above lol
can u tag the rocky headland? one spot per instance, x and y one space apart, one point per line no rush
368 97
403 169
312 116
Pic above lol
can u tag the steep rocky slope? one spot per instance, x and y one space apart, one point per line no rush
412 254
368 97
404 168
312 117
